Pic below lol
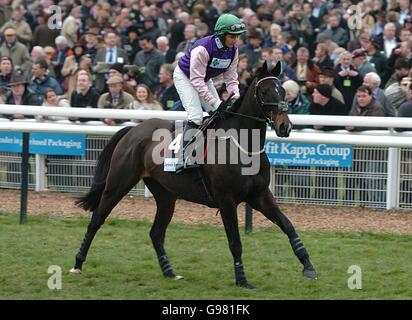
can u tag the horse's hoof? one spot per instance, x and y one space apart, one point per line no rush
310 274
246 285
178 278
75 271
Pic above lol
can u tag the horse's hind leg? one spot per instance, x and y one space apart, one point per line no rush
119 182
267 206
165 202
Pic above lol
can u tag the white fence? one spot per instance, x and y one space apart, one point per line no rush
368 143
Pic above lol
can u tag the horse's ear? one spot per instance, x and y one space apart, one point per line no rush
277 70
263 70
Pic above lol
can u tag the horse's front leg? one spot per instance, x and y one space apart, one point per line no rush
266 204
229 217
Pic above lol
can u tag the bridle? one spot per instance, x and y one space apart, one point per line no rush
266 107
280 107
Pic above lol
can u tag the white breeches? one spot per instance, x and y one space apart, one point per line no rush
190 98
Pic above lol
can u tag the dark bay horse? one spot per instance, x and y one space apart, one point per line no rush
128 157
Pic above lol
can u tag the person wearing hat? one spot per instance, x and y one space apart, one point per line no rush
327 76
150 28
119 70
193 76
90 37
18 22
132 42
20 95
360 62
79 60
116 98
376 58
324 104
18 52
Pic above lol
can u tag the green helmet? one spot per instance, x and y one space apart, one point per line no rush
229 23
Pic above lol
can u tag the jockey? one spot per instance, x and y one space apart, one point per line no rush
207 58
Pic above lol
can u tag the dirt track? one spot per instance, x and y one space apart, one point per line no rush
304 217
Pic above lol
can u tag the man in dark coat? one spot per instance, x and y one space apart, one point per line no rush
325 104
20 95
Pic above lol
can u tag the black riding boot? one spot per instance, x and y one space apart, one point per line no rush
187 162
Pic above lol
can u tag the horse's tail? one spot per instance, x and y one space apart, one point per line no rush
90 200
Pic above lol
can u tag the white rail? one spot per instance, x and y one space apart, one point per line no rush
385 138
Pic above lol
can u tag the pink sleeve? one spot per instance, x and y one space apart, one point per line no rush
199 58
230 77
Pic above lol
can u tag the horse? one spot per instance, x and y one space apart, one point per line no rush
128 158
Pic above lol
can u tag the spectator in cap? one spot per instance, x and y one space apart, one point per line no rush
361 63
17 21
18 52
150 28
118 70
324 104
297 102
327 76
373 81
20 95
131 44
376 58
116 98
90 37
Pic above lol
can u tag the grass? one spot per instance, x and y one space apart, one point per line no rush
122 263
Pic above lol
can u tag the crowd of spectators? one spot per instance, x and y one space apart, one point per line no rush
121 54
338 57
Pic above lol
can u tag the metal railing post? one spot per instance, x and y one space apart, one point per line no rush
392 186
